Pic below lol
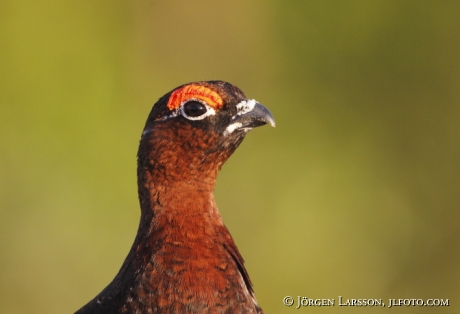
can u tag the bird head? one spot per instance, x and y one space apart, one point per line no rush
197 126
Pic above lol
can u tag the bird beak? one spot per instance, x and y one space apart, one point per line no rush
250 114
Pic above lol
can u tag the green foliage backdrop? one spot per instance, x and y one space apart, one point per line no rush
355 193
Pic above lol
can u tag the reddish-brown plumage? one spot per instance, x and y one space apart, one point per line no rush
184 259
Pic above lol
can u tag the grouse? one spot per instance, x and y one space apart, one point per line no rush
183 259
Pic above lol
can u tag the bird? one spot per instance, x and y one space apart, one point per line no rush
183 259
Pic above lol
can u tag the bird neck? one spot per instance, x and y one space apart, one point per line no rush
178 212
177 177
176 199
176 192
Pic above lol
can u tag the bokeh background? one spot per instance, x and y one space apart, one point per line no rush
356 192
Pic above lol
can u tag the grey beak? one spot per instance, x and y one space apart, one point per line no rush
252 114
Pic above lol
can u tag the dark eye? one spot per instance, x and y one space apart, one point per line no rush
194 109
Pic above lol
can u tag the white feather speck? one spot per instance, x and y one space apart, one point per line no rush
245 106
232 127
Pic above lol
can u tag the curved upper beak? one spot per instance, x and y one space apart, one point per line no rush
250 114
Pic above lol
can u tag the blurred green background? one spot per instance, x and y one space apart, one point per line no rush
355 193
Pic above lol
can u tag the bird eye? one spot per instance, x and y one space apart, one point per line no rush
194 109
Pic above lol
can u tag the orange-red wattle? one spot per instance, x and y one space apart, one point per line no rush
194 91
